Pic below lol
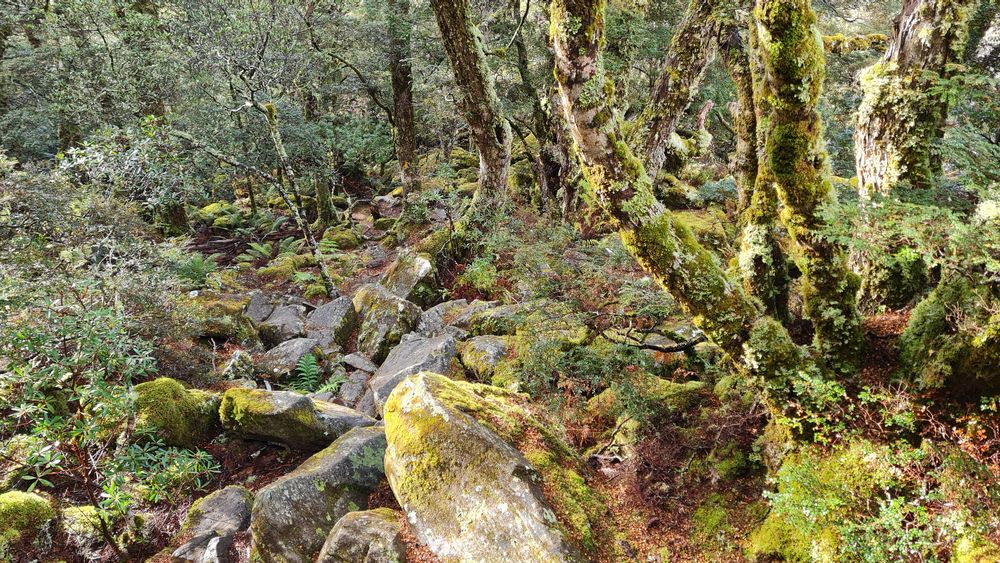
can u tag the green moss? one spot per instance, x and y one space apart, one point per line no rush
711 523
22 515
82 521
343 239
181 417
220 315
384 223
578 507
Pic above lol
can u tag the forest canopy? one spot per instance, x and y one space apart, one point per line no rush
456 280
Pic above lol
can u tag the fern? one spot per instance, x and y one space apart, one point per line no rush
256 251
306 375
333 384
289 245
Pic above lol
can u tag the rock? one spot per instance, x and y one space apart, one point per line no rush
457 313
297 300
239 366
218 516
466 492
374 257
385 319
181 417
280 361
22 517
357 361
332 323
481 354
663 396
220 315
285 323
412 276
260 307
288 418
415 353
353 389
370 536
366 405
292 517
342 239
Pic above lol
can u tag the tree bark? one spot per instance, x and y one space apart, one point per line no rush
691 49
660 242
787 88
899 121
404 131
479 103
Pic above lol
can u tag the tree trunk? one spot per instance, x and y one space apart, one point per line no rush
662 244
690 51
480 106
899 121
980 23
401 73
789 81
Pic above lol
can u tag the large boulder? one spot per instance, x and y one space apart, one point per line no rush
369 536
180 416
468 493
285 323
260 306
412 277
211 524
332 323
293 516
280 361
414 354
385 319
353 389
287 418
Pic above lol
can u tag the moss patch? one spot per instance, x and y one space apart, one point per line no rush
181 417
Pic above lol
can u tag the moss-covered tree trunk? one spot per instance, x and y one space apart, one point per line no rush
660 242
691 49
401 74
787 90
899 121
479 103
984 18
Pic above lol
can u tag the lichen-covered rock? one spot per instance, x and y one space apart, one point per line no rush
468 494
369 536
220 315
385 319
332 323
412 276
455 314
357 361
212 522
543 316
239 366
292 517
285 323
287 418
22 516
280 361
181 417
415 353
481 354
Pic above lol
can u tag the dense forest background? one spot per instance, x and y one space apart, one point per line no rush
386 280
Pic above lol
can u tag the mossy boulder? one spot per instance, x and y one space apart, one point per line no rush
220 214
83 525
469 494
481 355
937 353
461 159
180 416
530 319
662 396
292 517
342 238
368 536
211 524
220 315
22 517
287 418
413 277
385 318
